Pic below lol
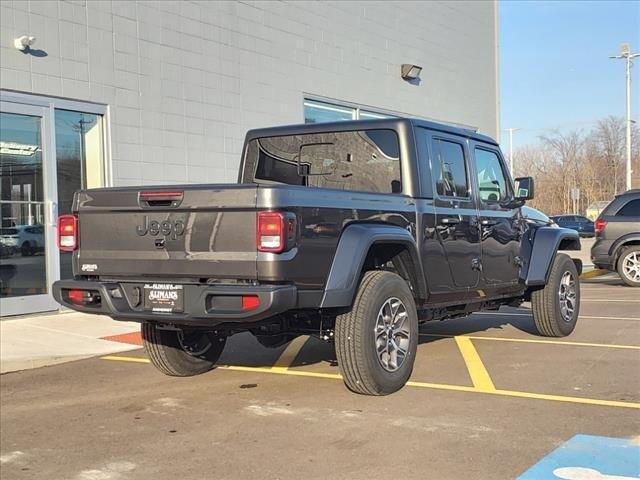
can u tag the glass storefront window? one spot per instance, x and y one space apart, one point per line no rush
318 112
366 115
321 112
79 160
23 269
49 149
78 154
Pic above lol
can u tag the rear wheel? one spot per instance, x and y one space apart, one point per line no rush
181 353
556 306
629 265
376 341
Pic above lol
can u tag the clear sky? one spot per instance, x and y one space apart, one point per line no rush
555 68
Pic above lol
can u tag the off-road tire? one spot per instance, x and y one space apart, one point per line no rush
545 302
626 251
168 355
355 339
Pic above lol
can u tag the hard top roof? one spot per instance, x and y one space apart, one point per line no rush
342 126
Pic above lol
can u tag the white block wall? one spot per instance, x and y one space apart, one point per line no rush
185 80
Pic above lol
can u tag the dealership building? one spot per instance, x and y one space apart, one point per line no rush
113 93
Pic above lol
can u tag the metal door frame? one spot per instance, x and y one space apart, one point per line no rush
42 302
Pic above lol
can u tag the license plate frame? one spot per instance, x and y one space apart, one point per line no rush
163 297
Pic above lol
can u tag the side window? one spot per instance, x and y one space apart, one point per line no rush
631 209
451 171
491 178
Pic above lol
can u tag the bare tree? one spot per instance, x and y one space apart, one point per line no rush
567 150
609 144
593 163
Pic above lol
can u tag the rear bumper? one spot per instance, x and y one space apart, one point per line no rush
201 305
600 254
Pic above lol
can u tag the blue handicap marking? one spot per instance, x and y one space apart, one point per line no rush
587 457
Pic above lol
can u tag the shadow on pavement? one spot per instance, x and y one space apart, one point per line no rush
244 350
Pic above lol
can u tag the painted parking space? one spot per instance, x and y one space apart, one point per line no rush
587 457
491 353
310 358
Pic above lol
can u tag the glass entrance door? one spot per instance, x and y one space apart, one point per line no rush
28 254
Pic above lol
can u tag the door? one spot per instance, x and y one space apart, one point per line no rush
453 260
501 226
28 254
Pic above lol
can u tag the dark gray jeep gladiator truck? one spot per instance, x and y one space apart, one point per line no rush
355 232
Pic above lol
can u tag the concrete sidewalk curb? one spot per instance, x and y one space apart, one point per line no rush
41 340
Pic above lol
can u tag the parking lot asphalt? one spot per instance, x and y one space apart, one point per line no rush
487 400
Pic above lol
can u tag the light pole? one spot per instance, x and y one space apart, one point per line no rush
511 130
625 52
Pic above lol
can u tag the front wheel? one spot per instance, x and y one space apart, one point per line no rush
629 265
181 353
557 305
376 341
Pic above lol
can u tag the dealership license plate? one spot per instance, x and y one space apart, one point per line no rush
163 297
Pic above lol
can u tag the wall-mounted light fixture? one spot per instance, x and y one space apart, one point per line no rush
410 72
24 42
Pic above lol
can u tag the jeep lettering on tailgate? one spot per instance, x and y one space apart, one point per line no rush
164 227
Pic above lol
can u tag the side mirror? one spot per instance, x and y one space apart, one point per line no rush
524 188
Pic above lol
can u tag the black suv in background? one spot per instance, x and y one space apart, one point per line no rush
580 224
617 244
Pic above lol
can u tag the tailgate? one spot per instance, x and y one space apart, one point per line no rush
204 231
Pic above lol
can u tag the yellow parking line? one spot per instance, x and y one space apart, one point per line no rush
290 353
567 399
436 386
118 358
516 314
595 317
537 396
531 340
609 300
479 375
593 273
281 371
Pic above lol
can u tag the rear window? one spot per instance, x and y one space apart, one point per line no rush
364 160
8 231
631 209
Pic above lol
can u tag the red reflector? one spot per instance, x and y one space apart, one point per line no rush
250 302
270 232
85 298
67 233
77 296
600 225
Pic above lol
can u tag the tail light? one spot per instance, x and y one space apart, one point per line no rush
67 233
275 231
599 225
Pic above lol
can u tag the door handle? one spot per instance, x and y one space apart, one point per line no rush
449 221
488 222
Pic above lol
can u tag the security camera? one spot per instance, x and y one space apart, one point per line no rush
24 42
